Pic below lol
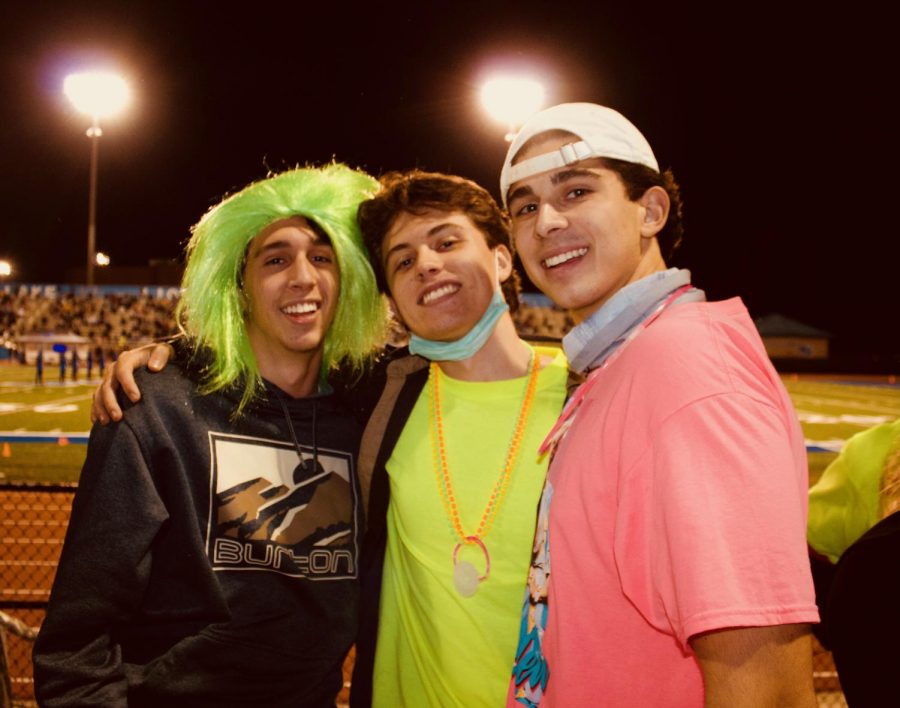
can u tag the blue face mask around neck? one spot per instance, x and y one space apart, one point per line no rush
467 346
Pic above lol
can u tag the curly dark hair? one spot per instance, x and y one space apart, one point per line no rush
416 192
637 180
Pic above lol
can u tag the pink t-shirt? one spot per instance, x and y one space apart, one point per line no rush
678 507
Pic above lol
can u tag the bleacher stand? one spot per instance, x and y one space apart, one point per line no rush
111 321
542 321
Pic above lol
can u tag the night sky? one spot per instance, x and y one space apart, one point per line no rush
778 122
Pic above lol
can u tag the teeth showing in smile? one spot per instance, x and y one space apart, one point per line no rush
301 308
564 257
440 292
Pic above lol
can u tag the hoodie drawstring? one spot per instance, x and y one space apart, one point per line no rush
315 430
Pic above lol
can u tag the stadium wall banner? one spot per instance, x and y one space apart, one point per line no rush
53 290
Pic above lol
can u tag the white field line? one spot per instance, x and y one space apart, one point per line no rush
863 421
22 389
19 386
56 402
833 445
808 400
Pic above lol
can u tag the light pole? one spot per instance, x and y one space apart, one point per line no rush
99 95
512 100
94 134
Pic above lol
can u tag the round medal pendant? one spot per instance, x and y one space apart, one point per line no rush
465 578
465 575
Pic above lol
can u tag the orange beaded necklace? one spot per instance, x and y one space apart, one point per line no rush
465 576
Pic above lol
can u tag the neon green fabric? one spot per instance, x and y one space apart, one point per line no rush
844 503
435 647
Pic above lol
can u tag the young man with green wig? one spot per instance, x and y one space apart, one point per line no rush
449 469
213 550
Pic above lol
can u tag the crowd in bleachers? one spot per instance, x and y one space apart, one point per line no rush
116 322
542 321
112 321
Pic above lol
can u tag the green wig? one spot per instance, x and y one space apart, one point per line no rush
212 306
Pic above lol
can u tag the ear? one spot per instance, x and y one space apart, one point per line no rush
654 211
504 262
395 311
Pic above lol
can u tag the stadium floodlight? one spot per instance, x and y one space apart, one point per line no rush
512 100
102 259
100 95
6 269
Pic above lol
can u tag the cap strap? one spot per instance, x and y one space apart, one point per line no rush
566 155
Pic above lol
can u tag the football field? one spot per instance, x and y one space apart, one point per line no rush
830 409
58 411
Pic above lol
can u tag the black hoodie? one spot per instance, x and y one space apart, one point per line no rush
203 566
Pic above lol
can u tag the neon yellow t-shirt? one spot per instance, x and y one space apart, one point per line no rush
845 502
436 647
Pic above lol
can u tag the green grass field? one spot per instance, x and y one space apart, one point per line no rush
53 407
832 411
829 411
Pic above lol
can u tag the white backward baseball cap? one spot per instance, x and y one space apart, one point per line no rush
603 132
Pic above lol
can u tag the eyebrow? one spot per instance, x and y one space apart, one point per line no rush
433 231
572 173
519 192
555 179
282 243
271 246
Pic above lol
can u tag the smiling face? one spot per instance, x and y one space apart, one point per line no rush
440 272
580 238
292 283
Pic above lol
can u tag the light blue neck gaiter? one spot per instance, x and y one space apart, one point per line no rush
468 345
589 344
